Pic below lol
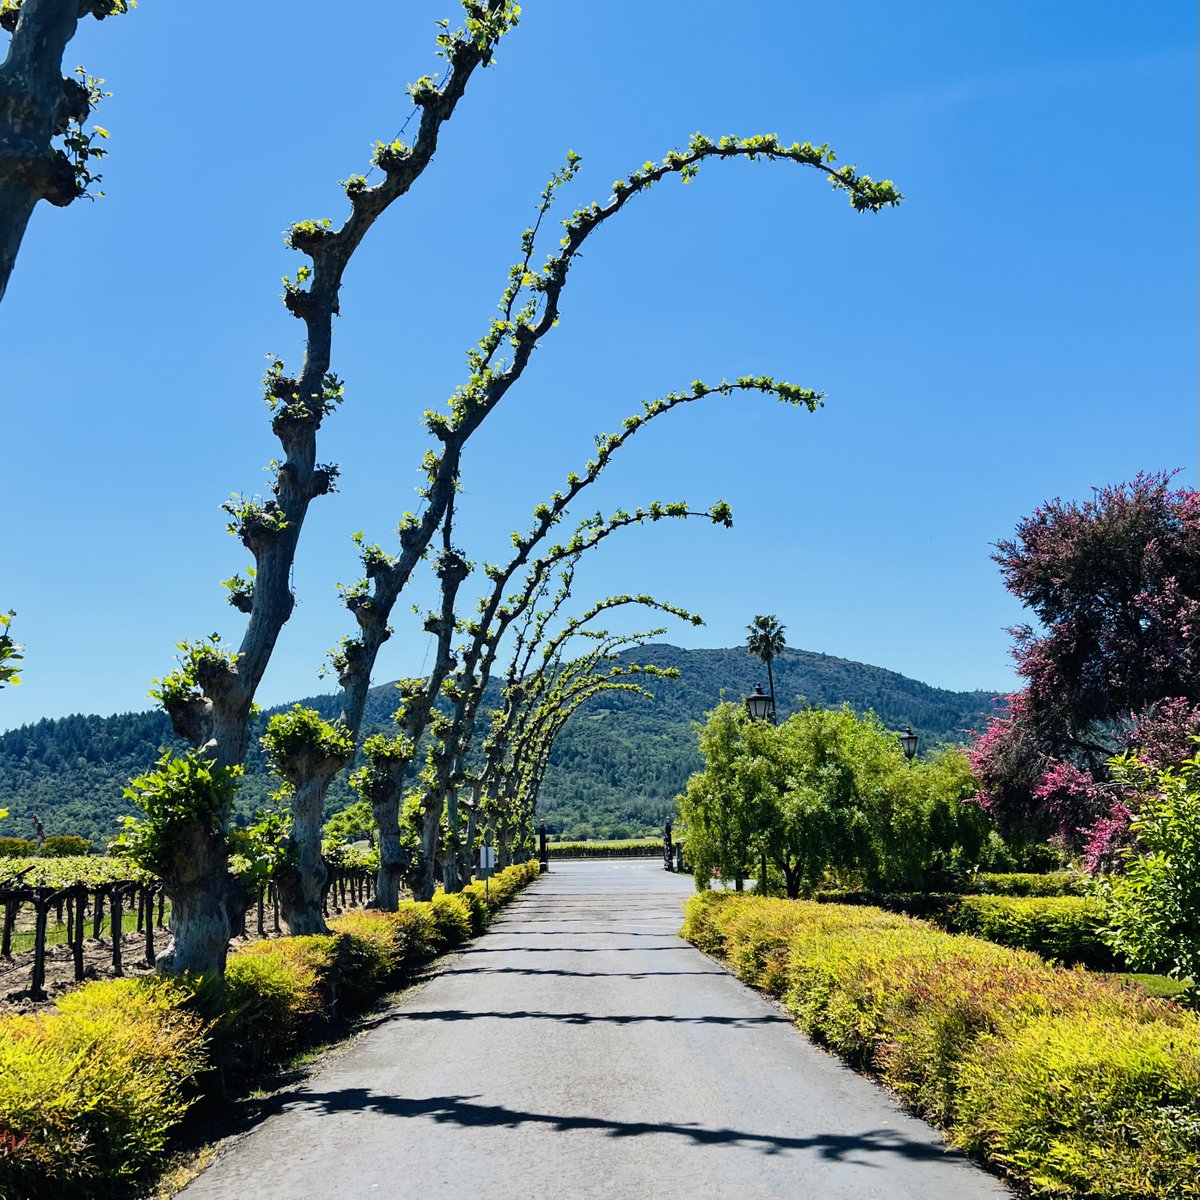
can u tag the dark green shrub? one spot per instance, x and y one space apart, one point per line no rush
1065 929
16 847
912 904
627 848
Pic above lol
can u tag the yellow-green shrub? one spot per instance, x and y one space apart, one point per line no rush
1088 1106
480 904
90 1092
414 931
369 954
489 897
953 1023
274 990
451 920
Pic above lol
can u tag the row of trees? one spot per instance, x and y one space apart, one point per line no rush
827 795
184 834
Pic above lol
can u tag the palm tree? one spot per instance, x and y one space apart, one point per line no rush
764 638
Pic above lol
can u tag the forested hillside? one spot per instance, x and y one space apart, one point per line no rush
616 769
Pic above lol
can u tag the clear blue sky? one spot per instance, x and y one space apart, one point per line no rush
1023 326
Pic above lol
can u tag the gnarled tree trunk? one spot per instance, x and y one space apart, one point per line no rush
302 884
200 889
392 858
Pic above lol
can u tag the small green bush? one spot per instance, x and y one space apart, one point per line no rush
451 920
89 1093
17 847
1024 883
1066 929
64 845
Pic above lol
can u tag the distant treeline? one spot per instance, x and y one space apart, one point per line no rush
615 772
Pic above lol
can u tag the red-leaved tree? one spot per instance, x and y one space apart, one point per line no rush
1113 663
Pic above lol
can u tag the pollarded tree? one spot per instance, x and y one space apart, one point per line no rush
372 605
530 309
528 687
209 698
1113 664
544 704
45 152
452 735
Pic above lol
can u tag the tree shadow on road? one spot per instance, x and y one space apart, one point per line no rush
570 1018
456 970
465 1111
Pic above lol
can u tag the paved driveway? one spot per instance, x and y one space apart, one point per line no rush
581 1048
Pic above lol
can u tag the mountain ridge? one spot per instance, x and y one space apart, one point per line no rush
615 771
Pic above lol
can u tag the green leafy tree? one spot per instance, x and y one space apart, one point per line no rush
725 808
1154 905
354 823
765 640
828 795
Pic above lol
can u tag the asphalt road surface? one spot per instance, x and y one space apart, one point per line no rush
581 1048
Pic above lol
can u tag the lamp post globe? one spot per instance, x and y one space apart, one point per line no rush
758 704
908 743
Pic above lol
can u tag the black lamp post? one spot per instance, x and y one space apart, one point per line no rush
759 705
761 708
908 743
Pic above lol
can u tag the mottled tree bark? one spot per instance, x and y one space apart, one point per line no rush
36 103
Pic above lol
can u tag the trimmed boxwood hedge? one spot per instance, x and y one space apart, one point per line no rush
629 848
1065 929
1073 1084
90 1093
1058 883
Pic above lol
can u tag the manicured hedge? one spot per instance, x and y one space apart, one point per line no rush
1073 1084
1059 883
628 848
90 1093
1063 928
